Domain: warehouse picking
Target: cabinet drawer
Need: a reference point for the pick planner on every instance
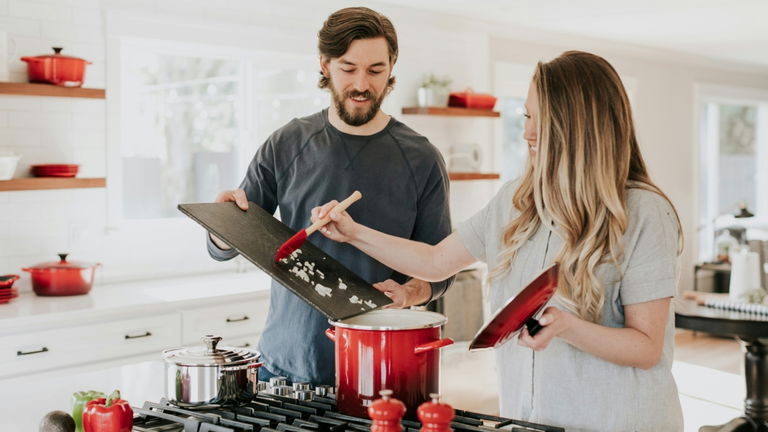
(226, 320)
(43, 350)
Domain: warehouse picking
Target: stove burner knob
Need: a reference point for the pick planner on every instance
(277, 381)
(302, 386)
(286, 391)
(324, 390)
(262, 386)
(304, 395)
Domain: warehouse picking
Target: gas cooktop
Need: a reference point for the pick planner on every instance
(297, 411)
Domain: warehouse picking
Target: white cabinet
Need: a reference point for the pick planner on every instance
(237, 323)
(97, 341)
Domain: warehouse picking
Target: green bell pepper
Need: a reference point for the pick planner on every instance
(79, 399)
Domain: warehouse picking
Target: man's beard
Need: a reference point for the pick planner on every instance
(356, 117)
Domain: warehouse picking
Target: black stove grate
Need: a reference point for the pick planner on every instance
(272, 413)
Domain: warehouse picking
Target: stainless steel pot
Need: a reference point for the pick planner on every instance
(209, 374)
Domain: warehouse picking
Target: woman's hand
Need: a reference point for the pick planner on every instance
(342, 228)
(554, 322)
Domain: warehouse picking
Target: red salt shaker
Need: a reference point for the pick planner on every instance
(386, 413)
(435, 416)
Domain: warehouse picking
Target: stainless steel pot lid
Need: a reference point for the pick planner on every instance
(209, 354)
(392, 319)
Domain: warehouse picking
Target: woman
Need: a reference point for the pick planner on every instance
(602, 361)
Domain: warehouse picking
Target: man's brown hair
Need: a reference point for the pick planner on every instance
(349, 24)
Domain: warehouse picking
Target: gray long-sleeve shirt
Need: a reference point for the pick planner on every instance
(308, 162)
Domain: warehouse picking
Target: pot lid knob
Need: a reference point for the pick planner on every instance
(63, 257)
(386, 413)
(210, 342)
(57, 50)
(435, 416)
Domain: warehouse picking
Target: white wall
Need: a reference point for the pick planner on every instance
(35, 225)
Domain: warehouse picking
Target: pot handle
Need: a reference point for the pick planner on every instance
(331, 333)
(427, 347)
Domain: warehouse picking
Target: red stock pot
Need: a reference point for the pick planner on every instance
(395, 349)
(56, 69)
(62, 278)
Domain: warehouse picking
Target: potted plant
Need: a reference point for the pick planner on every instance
(434, 91)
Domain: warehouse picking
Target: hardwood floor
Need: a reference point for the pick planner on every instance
(707, 370)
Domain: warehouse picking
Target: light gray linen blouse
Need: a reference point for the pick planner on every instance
(562, 385)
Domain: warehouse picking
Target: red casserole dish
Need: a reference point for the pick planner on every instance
(62, 278)
(469, 99)
(54, 170)
(56, 69)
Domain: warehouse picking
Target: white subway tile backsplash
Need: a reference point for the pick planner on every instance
(30, 46)
(42, 120)
(19, 26)
(71, 33)
(3, 119)
(93, 122)
(73, 105)
(41, 11)
(25, 137)
(19, 103)
(87, 15)
(92, 161)
(4, 7)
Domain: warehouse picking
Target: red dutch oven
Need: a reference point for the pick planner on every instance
(56, 69)
(62, 278)
(395, 349)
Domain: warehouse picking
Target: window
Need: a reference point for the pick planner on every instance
(191, 119)
(733, 163)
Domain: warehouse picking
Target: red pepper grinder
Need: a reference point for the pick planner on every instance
(435, 416)
(386, 413)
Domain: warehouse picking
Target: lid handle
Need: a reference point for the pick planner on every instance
(57, 50)
(210, 342)
(63, 257)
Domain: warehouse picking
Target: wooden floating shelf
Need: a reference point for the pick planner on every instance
(451, 111)
(40, 183)
(31, 89)
(473, 176)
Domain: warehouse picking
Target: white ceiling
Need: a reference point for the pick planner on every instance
(730, 30)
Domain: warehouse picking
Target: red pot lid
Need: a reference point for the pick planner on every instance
(57, 54)
(512, 316)
(62, 264)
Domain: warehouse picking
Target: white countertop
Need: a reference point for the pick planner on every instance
(29, 311)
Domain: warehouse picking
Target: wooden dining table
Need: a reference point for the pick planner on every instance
(752, 330)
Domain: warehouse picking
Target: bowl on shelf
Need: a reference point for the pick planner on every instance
(7, 292)
(8, 165)
(54, 170)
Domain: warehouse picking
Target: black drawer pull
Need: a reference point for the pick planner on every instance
(42, 350)
(243, 318)
(147, 334)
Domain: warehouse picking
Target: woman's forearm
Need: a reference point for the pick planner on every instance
(420, 260)
(624, 346)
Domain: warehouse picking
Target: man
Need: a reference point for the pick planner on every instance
(352, 145)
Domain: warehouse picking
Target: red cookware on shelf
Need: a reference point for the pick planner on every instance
(470, 99)
(56, 69)
(62, 278)
(7, 291)
(396, 349)
(54, 170)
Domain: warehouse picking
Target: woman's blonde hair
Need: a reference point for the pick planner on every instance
(587, 158)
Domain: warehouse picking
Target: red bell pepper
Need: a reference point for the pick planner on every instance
(108, 415)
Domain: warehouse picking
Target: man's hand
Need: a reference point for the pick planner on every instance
(413, 292)
(236, 196)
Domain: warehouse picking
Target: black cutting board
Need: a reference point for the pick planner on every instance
(256, 235)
